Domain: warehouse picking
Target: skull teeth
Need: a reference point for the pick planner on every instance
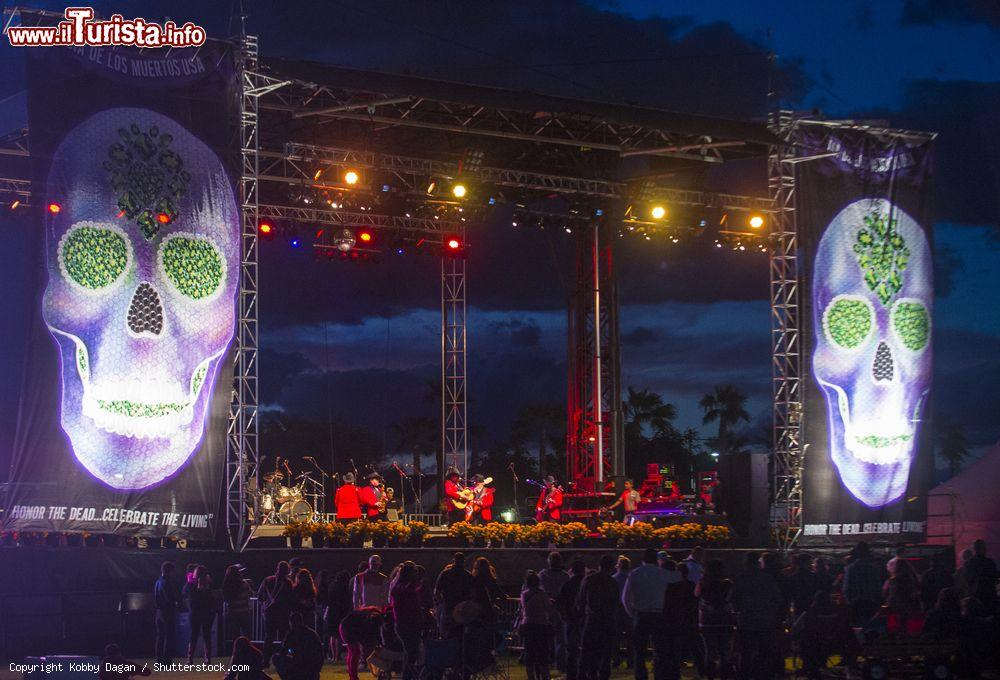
(136, 408)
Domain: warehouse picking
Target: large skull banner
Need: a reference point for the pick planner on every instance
(868, 293)
(126, 370)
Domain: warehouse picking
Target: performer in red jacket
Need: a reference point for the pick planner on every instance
(373, 498)
(452, 493)
(347, 501)
(480, 508)
(549, 506)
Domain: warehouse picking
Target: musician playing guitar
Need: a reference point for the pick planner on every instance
(373, 497)
(549, 506)
(480, 509)
(453, 495)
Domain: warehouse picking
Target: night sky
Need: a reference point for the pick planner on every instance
(358, 345)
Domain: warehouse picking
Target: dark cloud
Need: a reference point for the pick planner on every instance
(640, 335)
(934, 12)
(966, 369)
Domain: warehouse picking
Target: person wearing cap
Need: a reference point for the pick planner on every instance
(348, 501)
(549, 506)
(643, 596)
(371, 497)
(452, 493)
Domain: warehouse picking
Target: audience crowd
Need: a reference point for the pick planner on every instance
(590, 618)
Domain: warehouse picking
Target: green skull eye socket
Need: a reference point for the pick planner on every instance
(912, 324)
(93, 256)
(193, 265)
(848, 321)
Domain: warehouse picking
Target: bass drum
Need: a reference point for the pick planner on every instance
(294, 511)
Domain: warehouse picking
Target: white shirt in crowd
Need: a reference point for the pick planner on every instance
(646, 588)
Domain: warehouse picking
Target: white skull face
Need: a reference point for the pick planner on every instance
(872, 296)
(142, 244)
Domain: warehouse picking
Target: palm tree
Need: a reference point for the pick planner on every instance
(727, 405)
(953, 447)
(541, 419)
(643, 408)
(417, 436)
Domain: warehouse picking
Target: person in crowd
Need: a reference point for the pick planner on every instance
(407, 613)
(935, 578)
(453, 585)
(571, 617)
(862, 585)
(629, 500)
(166, 600)
(319, 613)
(301, 655)
(371, 586)
(898, 555)
(978, 578)
(372, 498)
(943, 619)
(348, 500)
(680, 623)
(276, 601)
(201, 604)
(248, 659)
(901, 591)
(552, 579)
(114, 665)
(360, 631)
(757, 603)
(976, 638)
(535, 627)
(236, 593)
(453, 495)
(824, 575)
(715, 620)
(643, 598)
(426, 598)
(339, 603)
(598, 599)
(823, 630)
(695, 563)
(304, 595)
(801, 582)
(486, 591)
(622, 650)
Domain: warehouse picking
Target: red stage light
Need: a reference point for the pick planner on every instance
(163, 218)
(453, 243)
(266, 228)
(365, 236)
(54, 208)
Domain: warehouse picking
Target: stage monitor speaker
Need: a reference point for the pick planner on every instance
(745, 495)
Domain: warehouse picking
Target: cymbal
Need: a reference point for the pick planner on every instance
(274, 477)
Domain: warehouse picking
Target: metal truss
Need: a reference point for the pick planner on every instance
(592, 131)
(16, 187)
(454, 344)
(594, 437)
(242, 452)
(318, 215)
(786, 338)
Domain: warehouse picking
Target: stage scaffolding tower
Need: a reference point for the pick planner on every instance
(454, 338)
(786, 337)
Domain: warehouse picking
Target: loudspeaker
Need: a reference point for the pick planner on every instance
(745, 495)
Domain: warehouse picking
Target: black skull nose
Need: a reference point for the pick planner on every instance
(145, 314)
(882, 366)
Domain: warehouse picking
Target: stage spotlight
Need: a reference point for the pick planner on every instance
(658, 212)
(756, 221)
(295, 242)
(17, 202)
(344, 240)
(54, 208)
(163, 218)
(317, 174)
(458, 190)
(266, 229)
(453, 243)
(351, 177)
(365, 236)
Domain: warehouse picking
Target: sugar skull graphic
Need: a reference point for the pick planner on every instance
(872, 295)
(142, 243)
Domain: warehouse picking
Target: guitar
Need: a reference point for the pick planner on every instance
(468, 494)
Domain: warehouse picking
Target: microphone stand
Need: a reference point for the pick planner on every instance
(402, 490)
(517, 508)
(418, 502)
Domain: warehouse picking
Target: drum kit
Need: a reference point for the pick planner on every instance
(284, 497)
